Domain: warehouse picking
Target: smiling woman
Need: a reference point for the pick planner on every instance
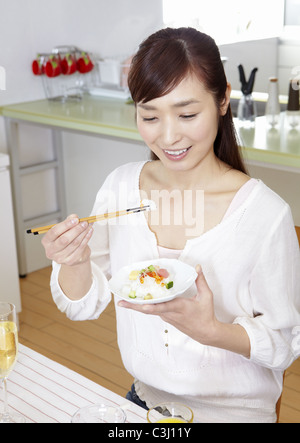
(168, 57)
(176, 129)
(222, 346)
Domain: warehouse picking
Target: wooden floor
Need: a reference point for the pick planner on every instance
(91, 349)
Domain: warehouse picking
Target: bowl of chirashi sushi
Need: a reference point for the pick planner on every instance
(153, 281)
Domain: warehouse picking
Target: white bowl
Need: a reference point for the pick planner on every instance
(183, 274)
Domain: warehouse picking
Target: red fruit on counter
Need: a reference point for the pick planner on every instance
(53, 68)
(84, 63)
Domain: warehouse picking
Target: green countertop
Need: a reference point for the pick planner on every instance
(91, 115)
(278, 146)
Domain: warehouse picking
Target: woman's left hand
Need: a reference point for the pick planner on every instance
(193, 316)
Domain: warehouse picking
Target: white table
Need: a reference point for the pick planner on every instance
(44, 391)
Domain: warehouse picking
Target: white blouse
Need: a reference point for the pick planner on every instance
(251, 262)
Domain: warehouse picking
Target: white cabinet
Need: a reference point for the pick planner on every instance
(9, 276)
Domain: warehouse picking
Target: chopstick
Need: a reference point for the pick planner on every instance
(94, 218)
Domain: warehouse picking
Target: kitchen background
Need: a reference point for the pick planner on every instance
(114, 29)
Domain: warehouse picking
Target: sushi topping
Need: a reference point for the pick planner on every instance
(148, 283)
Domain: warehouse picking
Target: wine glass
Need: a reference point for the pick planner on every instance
(8, 355)
(100, 413)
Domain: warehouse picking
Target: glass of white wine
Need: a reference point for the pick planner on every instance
(8, 355)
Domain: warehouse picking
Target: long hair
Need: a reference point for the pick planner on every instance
(165, 58)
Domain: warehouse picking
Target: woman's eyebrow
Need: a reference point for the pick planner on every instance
(186, 103)
(180, 104)
(146, 107)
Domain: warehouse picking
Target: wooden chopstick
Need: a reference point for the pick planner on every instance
(93, 218)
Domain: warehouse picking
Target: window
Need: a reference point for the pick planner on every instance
(230, 20)
(292, 13)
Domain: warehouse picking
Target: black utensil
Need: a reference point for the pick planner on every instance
(247, 86)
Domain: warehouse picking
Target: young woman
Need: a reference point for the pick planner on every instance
(223, 347)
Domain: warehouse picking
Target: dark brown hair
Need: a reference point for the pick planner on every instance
(165, 58)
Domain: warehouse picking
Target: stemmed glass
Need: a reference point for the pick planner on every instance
(8, 355)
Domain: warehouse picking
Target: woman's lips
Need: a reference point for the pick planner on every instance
(176, 155)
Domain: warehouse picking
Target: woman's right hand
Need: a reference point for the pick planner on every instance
(67, 242)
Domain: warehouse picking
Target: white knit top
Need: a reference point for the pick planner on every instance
(251, 262)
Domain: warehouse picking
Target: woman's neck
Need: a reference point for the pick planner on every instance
(205, 175)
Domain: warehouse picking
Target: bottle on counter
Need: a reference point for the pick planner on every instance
(273, 106)
(293, 109)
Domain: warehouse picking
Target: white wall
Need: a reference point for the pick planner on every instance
(288, 60)
(274, 57)
(27, 27)
(261, 54)
(105, 28)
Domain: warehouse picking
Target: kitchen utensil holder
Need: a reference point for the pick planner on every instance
(247, 111)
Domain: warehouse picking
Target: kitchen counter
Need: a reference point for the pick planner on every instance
(89, 115)
(277, 147)
(105, 117)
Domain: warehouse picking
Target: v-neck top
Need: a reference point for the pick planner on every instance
(238, 199)
(251, 263)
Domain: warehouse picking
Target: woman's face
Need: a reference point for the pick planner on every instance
(180, 127)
